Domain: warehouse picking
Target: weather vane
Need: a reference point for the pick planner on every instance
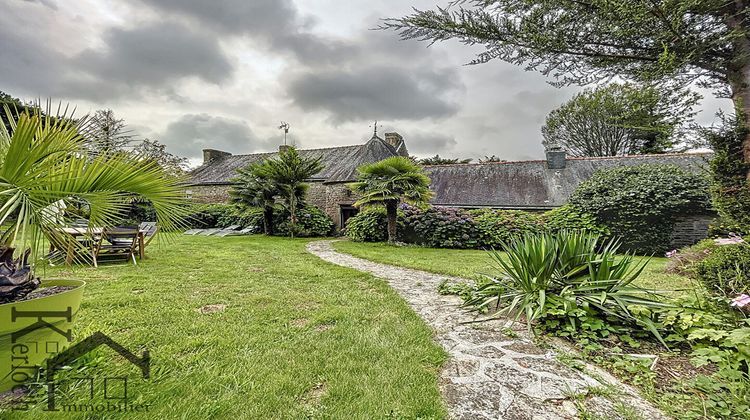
(375, 129)
(284, 126)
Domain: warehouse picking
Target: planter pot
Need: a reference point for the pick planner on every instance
(34, 330)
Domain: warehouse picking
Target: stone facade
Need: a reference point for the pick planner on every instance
(333, 198)
(691, 229)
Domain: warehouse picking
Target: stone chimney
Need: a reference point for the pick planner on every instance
(395, 140)
(556, 158)
(284, 147)
(212, 154)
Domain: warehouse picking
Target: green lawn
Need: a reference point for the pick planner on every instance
(473, 263)
(299, 337)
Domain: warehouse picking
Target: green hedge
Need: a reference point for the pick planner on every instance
(442, 227)
(726, 270)
(312, 221)
(640, 204)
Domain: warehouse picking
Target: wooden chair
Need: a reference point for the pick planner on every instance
(121, 243)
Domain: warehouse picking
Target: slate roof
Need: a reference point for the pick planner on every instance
(340, 163)
(530, 184)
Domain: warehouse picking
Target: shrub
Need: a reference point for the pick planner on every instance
(568, 280)
(208, 215)
(568, 217)
(640, 204)
(245, 217)
(683, 262)
(495, 227)
(311, 222)
(726, 270)
(370, 225)
(441, 227)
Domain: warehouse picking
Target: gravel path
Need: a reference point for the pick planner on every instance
(495, 370)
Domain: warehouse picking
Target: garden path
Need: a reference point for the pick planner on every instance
(495, 370)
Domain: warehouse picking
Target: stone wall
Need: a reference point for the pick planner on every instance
(691, 229)
(328, 197)
(208, 193)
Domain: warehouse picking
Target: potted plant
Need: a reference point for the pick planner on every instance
(45, 167)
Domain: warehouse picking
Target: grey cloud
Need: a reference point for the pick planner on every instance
(376, 92)
(46, 3)
(154, 54)
(191, 133)
(428, 143)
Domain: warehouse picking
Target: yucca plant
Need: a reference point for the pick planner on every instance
(569, 269)
(44, 169)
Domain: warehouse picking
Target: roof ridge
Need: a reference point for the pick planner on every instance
(301, 150)
(509, 162)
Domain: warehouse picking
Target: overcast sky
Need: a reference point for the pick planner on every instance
(222, 74)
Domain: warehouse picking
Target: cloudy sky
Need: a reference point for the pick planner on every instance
(222, 74)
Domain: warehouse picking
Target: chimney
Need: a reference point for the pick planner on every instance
(284, 148)
(212, 154)
(556, 158)
(395, 140)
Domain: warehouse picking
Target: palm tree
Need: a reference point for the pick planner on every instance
(289, 171)
(44, 170)
(254, 187)
(388, 182)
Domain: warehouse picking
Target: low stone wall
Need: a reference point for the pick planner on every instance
(691, 229)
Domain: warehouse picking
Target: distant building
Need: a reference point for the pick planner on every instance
(533, 185)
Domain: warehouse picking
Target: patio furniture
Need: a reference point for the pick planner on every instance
(122, 243)
(88, 238)
(149, 231)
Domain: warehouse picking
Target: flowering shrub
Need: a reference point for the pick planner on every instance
(441, 227)
(370, 225)
(445, 227)
(496, 227)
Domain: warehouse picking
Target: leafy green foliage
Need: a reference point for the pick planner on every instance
(640, 204)
(444, 227)
(208, 216)
(584, 42)
(726, 270)
(44, 170)
(370, 225)
(288, 172)
(620, 119)
(441, 227)
(568, 217)
(311, 222)
(565, 277)
(437, 160)
(255, 188)
(730, 187)
(496, 227)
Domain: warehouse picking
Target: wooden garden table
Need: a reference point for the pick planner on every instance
(76, 232)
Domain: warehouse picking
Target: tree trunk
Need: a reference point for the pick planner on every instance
(391, 209)
(738, 73)
(268, 221)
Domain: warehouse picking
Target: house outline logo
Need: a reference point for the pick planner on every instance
(85, 346)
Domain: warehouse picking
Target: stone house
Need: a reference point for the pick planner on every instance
(534, 185)
(210, 183)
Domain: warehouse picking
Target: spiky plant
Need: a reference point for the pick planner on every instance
(390, 181)
(44, 169)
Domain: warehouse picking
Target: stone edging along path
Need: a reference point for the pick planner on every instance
(495, 370)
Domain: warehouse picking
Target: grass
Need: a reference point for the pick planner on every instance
(298, 338)
(469, 263)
